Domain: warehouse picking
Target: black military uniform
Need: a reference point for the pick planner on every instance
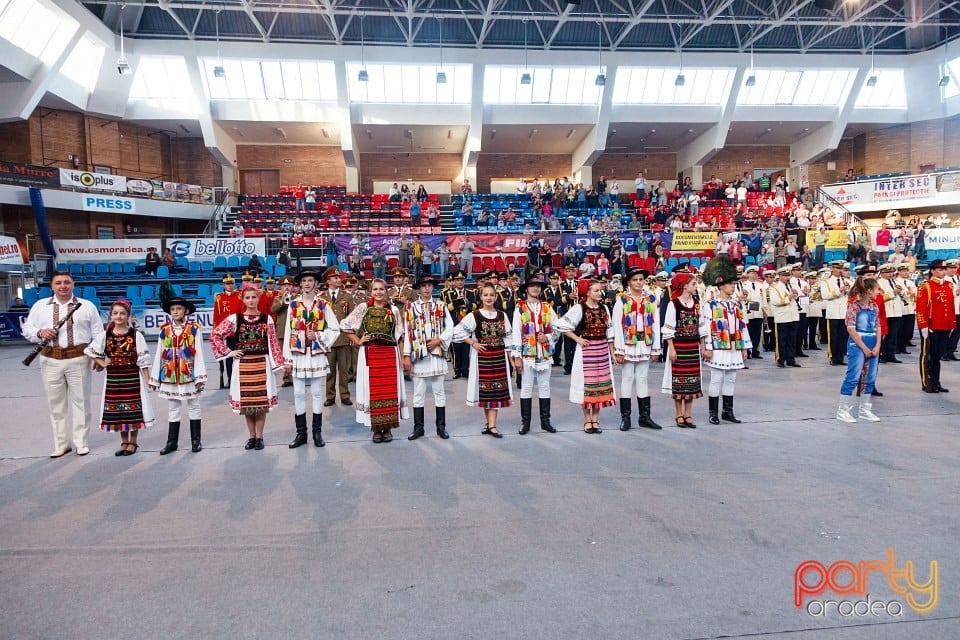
(558, 295)
(460, 302)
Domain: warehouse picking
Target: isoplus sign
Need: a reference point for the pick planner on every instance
(846, 578)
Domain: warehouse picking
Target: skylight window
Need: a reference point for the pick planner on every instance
(888, 92)
(270, 80)
(160, 78)
(36, 29)
(83, 65)
(549, 85)
(953, 70)
(410, 83)
(646, 85)
(811, 88)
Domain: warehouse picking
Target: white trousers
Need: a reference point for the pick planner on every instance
(531, 375)
(722, 382)
(317, 392)
(634, 379)
(420, 391)
(174, 404)
(67, 383)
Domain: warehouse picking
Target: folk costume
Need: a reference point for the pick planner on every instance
(636, 338)
(531, 320)
(425, 321)
(179, 373)
(488, 384)
(681, 327)
(591, 383)
(307, 358)
(254, 390)
(381, 398)
(124, 402)
(724, 332)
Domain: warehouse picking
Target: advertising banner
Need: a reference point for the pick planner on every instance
(140, 187)
(212, 248)
(694, 241)
(836, 239)
(883, 191)
(87, 180)
(10, 323)
(28, 175)
(10, 251)
(149, 320)
(108, 204)
(937, 239)
(102, 250)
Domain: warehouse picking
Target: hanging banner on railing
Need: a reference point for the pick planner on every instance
(937, 239)
(88, 180)
(10, 251)
(102, 250)
(212, 248)
(28, 175)
(881, 191)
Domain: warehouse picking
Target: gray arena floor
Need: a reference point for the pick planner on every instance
(671, 534)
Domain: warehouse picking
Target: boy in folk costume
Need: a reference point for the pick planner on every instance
(724, 335)
(636, 338)
(429, 332)
(311, 328)
(179, 372)
(533, 343)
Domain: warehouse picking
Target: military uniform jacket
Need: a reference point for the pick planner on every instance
(401, 295)
(935, 306)
(834, 300)
(909, 295)
(341, 305)
(800, 284)
(755, 293)
(893, 303)
(783, 307)
(460, 303)
(558, 297)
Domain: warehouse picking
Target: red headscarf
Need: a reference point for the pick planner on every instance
(678, 282)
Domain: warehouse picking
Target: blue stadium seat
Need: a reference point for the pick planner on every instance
(244, 261)
(207, 266)
(203, 290)
(31, 295)
(90, 269)
(103, 269)
(279, 270)
(208, 301)
(116, 268)
(193, 267)
(181, 264)
(75, 268)
(220, 263)
(177, 289)
(129, 267)
(46, 292)
(163, 271)
(133, 291)
(233, 263)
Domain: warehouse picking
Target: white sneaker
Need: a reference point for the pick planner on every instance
(866, 413)
(60, 453)
(82, 451)
(844, 415)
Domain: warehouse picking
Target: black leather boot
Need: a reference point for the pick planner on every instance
(643, 409)
(727, 413)
(300, 439)
(195, 445)
(318, 430)
(545, 416)
(625, 411)
(417, 424)
(173, 436)
(526, 413)
(442, 422)
(714, 406)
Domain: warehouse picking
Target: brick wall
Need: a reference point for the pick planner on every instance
(887, 150)
(626, 165)
(54, 135)
(951, 143)
(409, 167)
(926, 144)
(15, 142)
(517, 165)
(306, 164)
(192, 163)
(818, 173)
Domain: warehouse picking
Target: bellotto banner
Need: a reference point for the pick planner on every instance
(10, 251)
(28, 175)
(98, 181)
(212, 248)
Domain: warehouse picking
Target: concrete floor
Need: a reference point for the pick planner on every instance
(671, 534)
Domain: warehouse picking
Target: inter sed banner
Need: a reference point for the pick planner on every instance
(694, 241)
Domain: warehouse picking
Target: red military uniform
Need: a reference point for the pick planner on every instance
(267, 298)
(935, 306)
(226, 303)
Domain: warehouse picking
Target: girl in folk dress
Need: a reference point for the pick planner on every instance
(681, 330)
(487, 332)
(589, 325)
(724, 335)
(253, 393)
(125, 406)
(377, 326)
(179, 372)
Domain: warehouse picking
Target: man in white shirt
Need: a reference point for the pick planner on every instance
(640, 187)
(64, 368)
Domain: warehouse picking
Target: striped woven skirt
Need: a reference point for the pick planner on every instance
(597, 377)
(493, 386)
(254, 398)
(381, 362)
(685, 372)
(122, 404)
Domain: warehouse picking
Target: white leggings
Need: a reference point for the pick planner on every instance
(317, 391)
(530, 375)
(722, 382)
(420, 391)
(193, 408)
(634, 377)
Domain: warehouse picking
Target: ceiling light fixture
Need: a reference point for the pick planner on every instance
(945, 76)
(680, 79)
(363, 76)
(872, 78)
(123, 67)
(601, 79)
(525, 78)
(752, 77)
(441, 76)
(218, 71)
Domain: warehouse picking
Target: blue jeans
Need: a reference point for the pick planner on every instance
(855, 360)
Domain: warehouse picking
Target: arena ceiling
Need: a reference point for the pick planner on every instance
(794, 26)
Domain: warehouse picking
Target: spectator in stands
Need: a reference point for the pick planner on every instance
(311, 198)
(330, 251)
(586, 270)
(152, 261)
(466, 256)
(509, 215)
(354, 265)
(433, 214)
(415, 214)
(722, 246)
(763, 184)
(484, 218)
(466, 211)
(465, 187)
(283, 257)
(416, 253)
(569, 256)
(616, 263)
(356, 246)
(603, 266)
(309, 229)
(820, 247)
(780, 253)
(405, 194)
(521, 186)
(403, 251)
(300, 194)
(422, 194)
(897, 256)
(333, 209)
(18, 304)
(287, 228)
(640, 186)
(601, 185)
(427, 258)
(730, 194)
(850, 177)
(881, 246)
(793, 251)
(379, 261)
(920, 243)
(168, 260)
(443, 260)
(501, 222)
(236, 231)
(298, 230)
(254, 266)
(581, 255)
(394, 193)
